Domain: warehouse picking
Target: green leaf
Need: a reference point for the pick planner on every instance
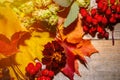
(63, 3)
(73, 14)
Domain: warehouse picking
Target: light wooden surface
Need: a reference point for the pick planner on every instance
(104, 65)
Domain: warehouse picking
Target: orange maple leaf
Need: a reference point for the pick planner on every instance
(75, 46)
(85, 48)
(73, 33)
(8, 46)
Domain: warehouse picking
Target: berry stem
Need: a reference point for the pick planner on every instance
(113, 42)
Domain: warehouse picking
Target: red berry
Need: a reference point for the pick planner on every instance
(96, 16)
(92, 31)
(93, 11)
(83, 12)
(42, 78)
(31, 65)
(112, 1)
(106, 35)
(85, 29)
(32, 71)
(94, 21)
(104, 20)
(100, 30)
(118, 9)
(38, 65)
(27, 69)
(113, 7)
(104, 8)
(99, 18)
(108, 12)
(117, 16)
(112, 19)
(47, 78)
(89, 19)
(100, 5)
(45, 72)
(36, 69)
(51, 73)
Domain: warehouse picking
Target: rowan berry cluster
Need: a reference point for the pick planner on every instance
(97, 21)
(36, 72)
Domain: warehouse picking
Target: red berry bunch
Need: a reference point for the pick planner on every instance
(35, 72)
(99, 20)
(46, 75)
(32, 70)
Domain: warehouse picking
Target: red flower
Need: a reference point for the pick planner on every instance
(54, 56)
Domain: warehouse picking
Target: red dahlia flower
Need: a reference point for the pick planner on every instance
(54, 56)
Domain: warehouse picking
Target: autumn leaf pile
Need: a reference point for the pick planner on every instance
(40, 38)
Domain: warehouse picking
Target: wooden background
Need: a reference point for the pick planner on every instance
(104, 65)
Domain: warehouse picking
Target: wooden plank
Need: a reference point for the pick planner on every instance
(104, 65)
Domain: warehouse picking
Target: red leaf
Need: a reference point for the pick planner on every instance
(9, 47)
(4, 38)
(69, 68)
(20, 37)
(76, 65)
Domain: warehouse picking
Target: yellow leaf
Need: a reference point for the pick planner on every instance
(9, 23)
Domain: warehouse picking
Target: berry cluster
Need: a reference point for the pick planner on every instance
(46, 75)
(36, 72)
(99, 20)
